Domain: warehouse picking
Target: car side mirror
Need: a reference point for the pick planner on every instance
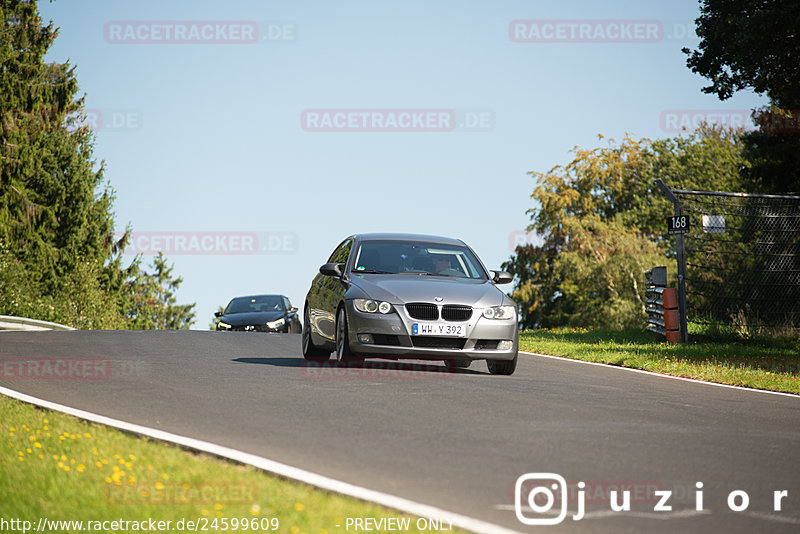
(502, 277)
(217, 314)
(332, 269)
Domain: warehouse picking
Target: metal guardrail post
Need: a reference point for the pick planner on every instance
(681, 252)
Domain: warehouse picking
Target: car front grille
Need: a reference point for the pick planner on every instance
(430, 342)
(423, 311)
(251, 328)
(454, 312)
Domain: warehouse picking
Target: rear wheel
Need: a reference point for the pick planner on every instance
(310, 351)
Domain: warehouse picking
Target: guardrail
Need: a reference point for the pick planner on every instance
(8, 322)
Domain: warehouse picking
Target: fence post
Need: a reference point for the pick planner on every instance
(681, 246)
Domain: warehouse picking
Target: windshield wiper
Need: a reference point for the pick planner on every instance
(371, 271)
(424, 273)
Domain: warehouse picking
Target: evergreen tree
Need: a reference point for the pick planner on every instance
(58, 255)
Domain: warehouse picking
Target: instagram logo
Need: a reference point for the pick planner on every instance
(539, 491)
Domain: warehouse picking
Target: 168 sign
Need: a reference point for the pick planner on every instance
(678, 224)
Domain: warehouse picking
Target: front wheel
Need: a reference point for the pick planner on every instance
(311, 352)
(343, 353)
(502, 367)
(457, 363)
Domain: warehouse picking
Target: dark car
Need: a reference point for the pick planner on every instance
(402, 296)
(259, 313)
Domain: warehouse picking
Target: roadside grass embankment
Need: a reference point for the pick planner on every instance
(764, 363)
(61, 468)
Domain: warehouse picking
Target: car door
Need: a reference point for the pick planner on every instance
(325, 295)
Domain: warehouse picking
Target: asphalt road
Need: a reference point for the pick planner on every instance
(456, 441)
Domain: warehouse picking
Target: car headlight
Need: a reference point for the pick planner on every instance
(277, 324)
(500, 312)
(372, 306)
(224, 326)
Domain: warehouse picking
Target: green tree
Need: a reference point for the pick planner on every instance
(59, 260)
(603, 223)
(151, 302)
(753, 44)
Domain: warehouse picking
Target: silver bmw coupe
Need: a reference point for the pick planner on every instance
(405, 296)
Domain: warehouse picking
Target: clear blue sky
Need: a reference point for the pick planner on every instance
(203, 137)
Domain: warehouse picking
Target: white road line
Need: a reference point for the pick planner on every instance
(602, 514)
(774, 517)
(651, 373)
(283, 470)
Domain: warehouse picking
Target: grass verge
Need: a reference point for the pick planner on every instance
(58, 467)
(770, 364)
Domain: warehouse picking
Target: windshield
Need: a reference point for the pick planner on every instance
(259, 303)
(415, 257)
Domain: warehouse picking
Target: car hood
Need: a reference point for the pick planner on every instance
(241, 319)
(400, 289)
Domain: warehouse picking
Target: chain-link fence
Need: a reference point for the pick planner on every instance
(742, 258)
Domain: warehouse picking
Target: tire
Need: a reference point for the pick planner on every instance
(310, 351)
(502, 367)
(343, 353)
(457, 363)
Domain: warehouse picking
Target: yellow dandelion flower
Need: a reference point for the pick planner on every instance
(66, 468)
(255, 509)
(159, 486)
(86, 434)
(129, 465)
(108, 480)
(29, 451)
(217, 506)
(132, 457)
(295, 530)
(105, 462)
(81, 468)
(165, 476)
(63, 458)
(204, 512)
(47, 422)
(99, 464)
(37, 445)
(299, 506)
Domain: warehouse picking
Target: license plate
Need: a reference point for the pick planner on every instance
(435, 329)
